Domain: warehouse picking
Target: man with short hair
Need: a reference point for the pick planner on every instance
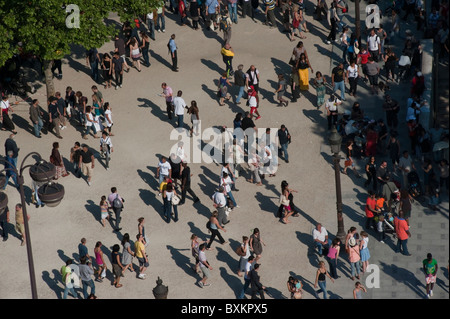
(252, 78)
(338, 76)
(116, 202)
(374, 45)
(220, 204)
(205, 267)
(86, 272)
(11, 145)
(270, 13)
(391, 107)
(321, 240)
(61, 103)
(168, 96)
(211, 7)
(83, 250)
(371, 210)
(406, 165)
(255, 283)
(173, 53)
(163, 170)
(119, 48)
(248, 268)
(86, 162)
(92, 60)
(186, 184)
(382, 173)
(285, 138)
(54, 116)
(118, 63)
(36, 114)
(4, 222)
(430, 268)
(239, 81)
(179, 105)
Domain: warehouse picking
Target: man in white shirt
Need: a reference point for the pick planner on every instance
(226, 182)
(179, 105)
(164, 169)
(151, 25)
(220, 203)
(320, 236)
(252, 78)
(248, 268)
(373, 43)
(205, 267)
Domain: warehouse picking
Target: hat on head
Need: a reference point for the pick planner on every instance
(352, 241)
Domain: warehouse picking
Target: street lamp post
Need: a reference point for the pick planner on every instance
(53, 193)
(335, 140)
(357, 22)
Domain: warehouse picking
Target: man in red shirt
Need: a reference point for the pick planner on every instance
(402, 231)
(362, 59)
(371, 210)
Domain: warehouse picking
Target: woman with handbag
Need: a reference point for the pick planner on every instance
(256, 244)
(170, 202)
(56, 159)
(244, 252)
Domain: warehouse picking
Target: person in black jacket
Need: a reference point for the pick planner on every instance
(284, 138)
(255, 282)
(186, 184)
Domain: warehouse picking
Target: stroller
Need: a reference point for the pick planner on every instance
(386, 224)
(414, 186)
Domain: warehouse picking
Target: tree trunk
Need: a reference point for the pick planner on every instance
(49, 78)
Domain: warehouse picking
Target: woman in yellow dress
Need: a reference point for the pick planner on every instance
(303, 66)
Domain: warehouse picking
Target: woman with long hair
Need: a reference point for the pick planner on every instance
(127, 253)
(303, 65)
(256, 244)
(195, 117)
(101, 271)
(319, 83)
(104, 206)
(135, 53)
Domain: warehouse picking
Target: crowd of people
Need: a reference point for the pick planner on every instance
(364, 138)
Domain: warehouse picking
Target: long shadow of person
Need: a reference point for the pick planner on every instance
(197, 231)
(308, 286)
(94, 209)
(160, 59)
(155, 110)
(404, 276)
(53, 283)
(233, 282)
(224, 256)
(182, 261)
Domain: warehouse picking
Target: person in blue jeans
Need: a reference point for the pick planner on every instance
(86, 272)
(232, 9)
(239, 81)
(321, 275)
(248, 267)
(338, 77)
(284, 138)
(92, 59)
(320, 237)
(168, 196)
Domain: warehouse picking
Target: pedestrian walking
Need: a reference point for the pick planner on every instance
(227, 53)
(256, 244)
(141, 230)
(75, 154)
(225, 26)
(195, 118)
(281, 90)
(86, 273)
(374, 45)
(349, 160)
(101, 271)
(239, 81)
(66, 274)
(371, 210)
(303, 65)
(87, 163)
(163, 170)
(320, 86)
(295, 288)
(70, 100)
(214, 227)
(20, 223)
(195, 251)
(104, 210)
(61, 110)
(118, 64)
(331, 106)
(91, 124)
(170, 203)
(135, 53)
(430, 268)
(116, 203)
(179, 106)
(106, 67)
(223, 86)
(358, 290)
(364, 250)
(173, 51)
(353, 76)
(106, 148)
(116, 266)
(93, 60)
(186, 184)
(248, 267)
(252, 78)
(10, 167)
(333, 20)
(320, 281)
(338, 76)
(270, 13)
(36, 114)
(145, 47)
(108, 118)
(332, 257)
(373, 70)
(255, 282)
(54, 116)
(353, 257)
(4, 222)
(371, 171)
(127, 253)
(141, 255)
(205, 267)
(57, 160)
(244, 253)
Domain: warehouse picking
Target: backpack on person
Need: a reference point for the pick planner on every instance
(224, 25)
(117, 203)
